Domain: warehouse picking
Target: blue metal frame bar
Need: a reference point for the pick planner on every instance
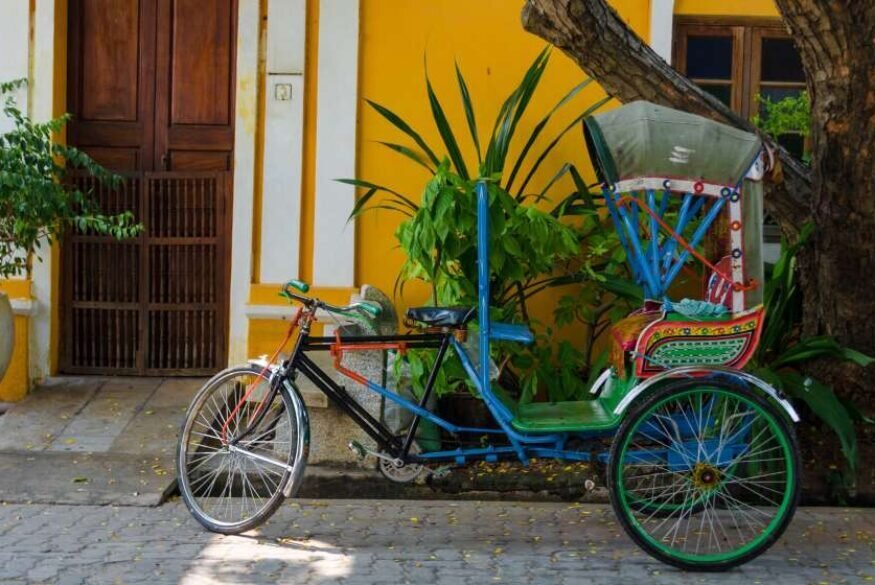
(651, 288)
(492, 453)
(654, 233)
(663, 203)
(716, 207)
(689, 209)
(427, 414)
(618, 225)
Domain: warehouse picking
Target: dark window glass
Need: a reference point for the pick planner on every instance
(781, 62)
(794, 143)
(721, 92)
(709, 57)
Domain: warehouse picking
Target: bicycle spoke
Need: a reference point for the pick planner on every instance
(699, 476)
(223, 482)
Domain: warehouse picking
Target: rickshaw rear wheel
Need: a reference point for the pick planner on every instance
(734, 463)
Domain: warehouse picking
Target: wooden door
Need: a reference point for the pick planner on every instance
(151, 90)
(110, 81)
(194, 116)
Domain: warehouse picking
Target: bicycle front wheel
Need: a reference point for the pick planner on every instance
(704, 475)
(232, 482)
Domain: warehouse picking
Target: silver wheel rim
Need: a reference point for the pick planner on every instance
(229, 486)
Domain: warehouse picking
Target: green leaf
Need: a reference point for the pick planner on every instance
(399, 123)
(582, 189)
(360, 204)
(445, 130)
(539, 127)
(401, 199)
(859, 358)
(822, 401)
(511, 111)
(817, 347)
(563, 170)
(469, 112)
(623, 288)
(409, 153)
(556, 140)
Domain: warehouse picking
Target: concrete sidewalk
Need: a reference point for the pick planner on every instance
(93, 441)
(357, 542)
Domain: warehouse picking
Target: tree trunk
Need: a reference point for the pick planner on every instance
(837, 43)
(591, 33)
(838, 192)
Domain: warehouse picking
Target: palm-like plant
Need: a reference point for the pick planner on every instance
(532, 250)
(782, 351)
(437, 225)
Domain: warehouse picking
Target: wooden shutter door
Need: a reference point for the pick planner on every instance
(151, 89)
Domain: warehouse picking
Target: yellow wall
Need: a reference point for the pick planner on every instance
(493, 51)
(725, 8)
(14, 384)
(487, 40)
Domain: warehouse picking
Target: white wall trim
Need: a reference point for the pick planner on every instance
(23, 307)
(337, 108)
(661, 26)
(283, 141)
(14, 50)
(42, 103)
(245, 132)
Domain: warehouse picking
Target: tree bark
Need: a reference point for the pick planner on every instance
(835, 38)
(836, 41)
(594, 36)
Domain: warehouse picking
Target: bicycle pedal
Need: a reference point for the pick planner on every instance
(357, 449)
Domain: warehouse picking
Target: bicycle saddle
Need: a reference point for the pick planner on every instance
(442, 316)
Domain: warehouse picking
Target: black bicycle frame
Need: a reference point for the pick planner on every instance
(299, 362)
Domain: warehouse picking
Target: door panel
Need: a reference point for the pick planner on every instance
(193, 160)
(195, 95)
(117, 159)
(111, 64)
(154, 305)
(200, 57)
(110, 60)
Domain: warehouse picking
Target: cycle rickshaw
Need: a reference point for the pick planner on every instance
(703, 467)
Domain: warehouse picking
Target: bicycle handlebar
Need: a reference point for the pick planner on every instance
(371, 309)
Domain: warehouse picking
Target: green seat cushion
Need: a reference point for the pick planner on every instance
(550, 417)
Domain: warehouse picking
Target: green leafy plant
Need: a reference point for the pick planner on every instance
(538, 240)
(789, 115)
(782, 351)
(36, 202)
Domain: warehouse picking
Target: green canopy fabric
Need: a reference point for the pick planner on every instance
(641, 139)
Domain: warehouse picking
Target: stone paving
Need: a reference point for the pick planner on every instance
(93, 441)
(384, 542)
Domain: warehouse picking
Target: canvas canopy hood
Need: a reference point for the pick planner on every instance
(641, 140)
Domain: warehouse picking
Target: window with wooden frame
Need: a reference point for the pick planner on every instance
(737, 60)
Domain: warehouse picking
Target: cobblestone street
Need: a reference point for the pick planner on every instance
(382, 542)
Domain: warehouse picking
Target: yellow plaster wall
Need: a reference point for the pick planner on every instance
(15, 383)
(266, 334)
(493, 51)
(734, 8)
